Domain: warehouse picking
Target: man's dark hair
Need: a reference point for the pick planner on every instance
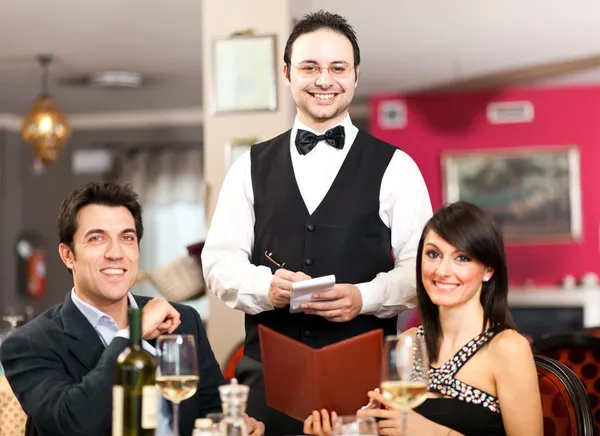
(321, 20)
(105, 194)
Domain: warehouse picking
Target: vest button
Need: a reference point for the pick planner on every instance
(308, 262)
(310, 227)
(307, 333)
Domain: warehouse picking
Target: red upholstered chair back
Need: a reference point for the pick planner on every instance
(581, 353)
(565, 404)
(594, 331)
(231, 362)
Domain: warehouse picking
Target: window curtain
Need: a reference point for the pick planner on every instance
(171, 189)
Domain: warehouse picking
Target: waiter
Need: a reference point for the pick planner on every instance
(322, 198)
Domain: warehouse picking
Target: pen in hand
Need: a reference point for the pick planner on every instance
(282, 281)
(269, 255)
(279, 291)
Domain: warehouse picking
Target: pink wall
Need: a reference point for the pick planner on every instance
(565, 116)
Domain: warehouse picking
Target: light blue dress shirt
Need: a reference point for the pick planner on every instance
(107, 329)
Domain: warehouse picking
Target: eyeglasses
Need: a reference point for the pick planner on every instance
(313, 70)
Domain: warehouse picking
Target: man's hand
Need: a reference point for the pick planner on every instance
(340, 304)
(255, 428)
(158, 317)
(281, 285)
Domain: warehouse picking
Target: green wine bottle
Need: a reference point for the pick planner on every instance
(135, 397)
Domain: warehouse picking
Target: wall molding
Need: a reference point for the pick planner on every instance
(10, 122)
(180, 117)
(184, 117)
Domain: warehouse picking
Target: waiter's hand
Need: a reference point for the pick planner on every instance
(281, 285)
(340, 304)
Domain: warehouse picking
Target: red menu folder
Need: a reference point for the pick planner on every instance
(300, 379)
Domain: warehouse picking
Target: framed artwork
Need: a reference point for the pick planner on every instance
(533, 193)
(244, 74)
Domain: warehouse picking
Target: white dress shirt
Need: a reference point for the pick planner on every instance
(404, 207)
(107, 330)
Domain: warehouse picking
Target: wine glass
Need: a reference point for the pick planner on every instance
(13, 320)
(405, 373)
(351, 425)
(9, 324)
(177, 374)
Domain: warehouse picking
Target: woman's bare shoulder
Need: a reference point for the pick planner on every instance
(509, 345)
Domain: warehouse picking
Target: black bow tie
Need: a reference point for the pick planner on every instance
(306, 141)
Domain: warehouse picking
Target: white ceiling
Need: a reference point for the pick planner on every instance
(160, 39)
(405, 44)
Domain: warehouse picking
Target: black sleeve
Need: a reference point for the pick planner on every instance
(55, 401)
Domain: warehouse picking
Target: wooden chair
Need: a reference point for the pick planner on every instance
(565, 403)
(579, 351)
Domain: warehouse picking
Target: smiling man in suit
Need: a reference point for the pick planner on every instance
(61, 365)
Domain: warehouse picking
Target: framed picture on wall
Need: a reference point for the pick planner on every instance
(533, 193)
(235, 148)
(244, 74)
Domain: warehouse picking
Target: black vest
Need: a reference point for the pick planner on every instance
(344, 236)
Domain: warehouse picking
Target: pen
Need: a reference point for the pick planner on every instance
(269, 255)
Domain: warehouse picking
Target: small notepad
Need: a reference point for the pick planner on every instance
(302, 291)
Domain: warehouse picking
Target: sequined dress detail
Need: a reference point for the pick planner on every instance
(443, 381)
(463, 408)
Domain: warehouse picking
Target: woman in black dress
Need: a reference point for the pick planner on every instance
(483, 379)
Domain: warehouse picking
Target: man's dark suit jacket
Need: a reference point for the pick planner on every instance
(63, 375)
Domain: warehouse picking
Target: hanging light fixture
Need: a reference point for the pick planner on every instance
(45, 128)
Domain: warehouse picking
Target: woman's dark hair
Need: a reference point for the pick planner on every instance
(472, 231)
(106, 194)
(321, 20)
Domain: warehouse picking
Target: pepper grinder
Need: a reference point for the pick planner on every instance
(234, 397)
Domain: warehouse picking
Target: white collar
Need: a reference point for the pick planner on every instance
(93, 314)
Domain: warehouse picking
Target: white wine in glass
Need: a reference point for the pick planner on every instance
(405, 394)
(177, 388)
(405, 373)
(177, 375)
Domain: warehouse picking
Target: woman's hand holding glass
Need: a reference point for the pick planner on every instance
(405, 374)
(390, 419)
(324, 423)
(404, 386)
